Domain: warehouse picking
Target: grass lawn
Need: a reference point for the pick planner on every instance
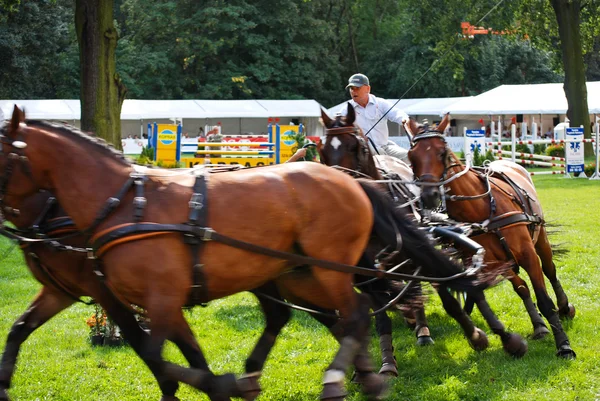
(58, 363)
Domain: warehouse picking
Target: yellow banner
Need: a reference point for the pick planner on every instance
(287, 141)
(166, 143)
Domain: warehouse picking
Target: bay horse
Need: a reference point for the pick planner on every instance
(137, 225)
(345, 145)
(66, 274)
(502, 200)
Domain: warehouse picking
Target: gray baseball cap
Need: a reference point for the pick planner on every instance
(358, 80)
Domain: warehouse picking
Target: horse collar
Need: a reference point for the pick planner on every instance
(429, 134)
(341, 130)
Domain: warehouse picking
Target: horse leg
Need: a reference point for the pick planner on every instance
(46, 305)
(422, 327)
(357, 340)
(136, 337)
(513, 343)
(544, 250)
(540, 330)
(164, 323)
(183, 337)
(276, 316)
(383, 326)
(531, 264)
(476, 337)
(354, 329)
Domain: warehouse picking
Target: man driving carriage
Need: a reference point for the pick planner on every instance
(369, 110)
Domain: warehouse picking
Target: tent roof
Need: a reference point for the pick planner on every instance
(522, 99)
(431, 106)
(42, 109)
(402, 105)
(133, 109)
(292, 108)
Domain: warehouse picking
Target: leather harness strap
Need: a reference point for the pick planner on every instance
(198, 217)
(208, 234)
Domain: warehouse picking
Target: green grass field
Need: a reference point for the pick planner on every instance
(58, 363)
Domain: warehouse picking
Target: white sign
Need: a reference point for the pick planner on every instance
(133, 146)
(474, 139)
(574, 150)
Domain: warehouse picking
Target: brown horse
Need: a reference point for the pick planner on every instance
(503, 201)
(138, 224)
(345, 146)
(66, 274)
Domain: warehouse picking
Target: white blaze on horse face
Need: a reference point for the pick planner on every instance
(336, 143)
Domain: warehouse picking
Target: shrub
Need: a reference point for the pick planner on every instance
(520, 148)
(146, 157)
(555, 150)
(589, 169)
(539, 149)
(479, 159)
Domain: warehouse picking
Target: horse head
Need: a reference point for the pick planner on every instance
(430, 158)
(345, 145)
(16, 180)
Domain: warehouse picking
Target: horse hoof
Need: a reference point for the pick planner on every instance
(224, 387)
(425, 340)
(569, 313)
(4, 395)
(372, 385)
(566, 352)
(540, 332)
(333, 392)
(248, 386)
(479, 341)
(515, 345)
(388, 369)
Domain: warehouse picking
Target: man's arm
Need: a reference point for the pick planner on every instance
(395, 114)
(300, 153)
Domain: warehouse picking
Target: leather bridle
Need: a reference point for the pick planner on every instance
(16, 155)
(363, 152)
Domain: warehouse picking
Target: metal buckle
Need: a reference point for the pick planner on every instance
(90, 253)
(208, 232)
(139, 201)
(196, 201)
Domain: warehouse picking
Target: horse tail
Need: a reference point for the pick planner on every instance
(391, 222)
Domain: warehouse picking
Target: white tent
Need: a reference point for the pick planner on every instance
(431, 106)
(531, 99)
(42, 109)
(235, 116)
(402, 105)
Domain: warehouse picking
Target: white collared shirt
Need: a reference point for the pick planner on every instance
(366, 117)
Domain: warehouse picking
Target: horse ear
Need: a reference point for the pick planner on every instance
(320, 146)
(442, 126)
(351, 116)
(327, 121)
(17, 118)
(411, 128)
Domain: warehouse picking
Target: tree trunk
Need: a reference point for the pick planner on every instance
(102, 92)
(568, 18)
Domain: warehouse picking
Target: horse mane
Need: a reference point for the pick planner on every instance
(69, 130)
